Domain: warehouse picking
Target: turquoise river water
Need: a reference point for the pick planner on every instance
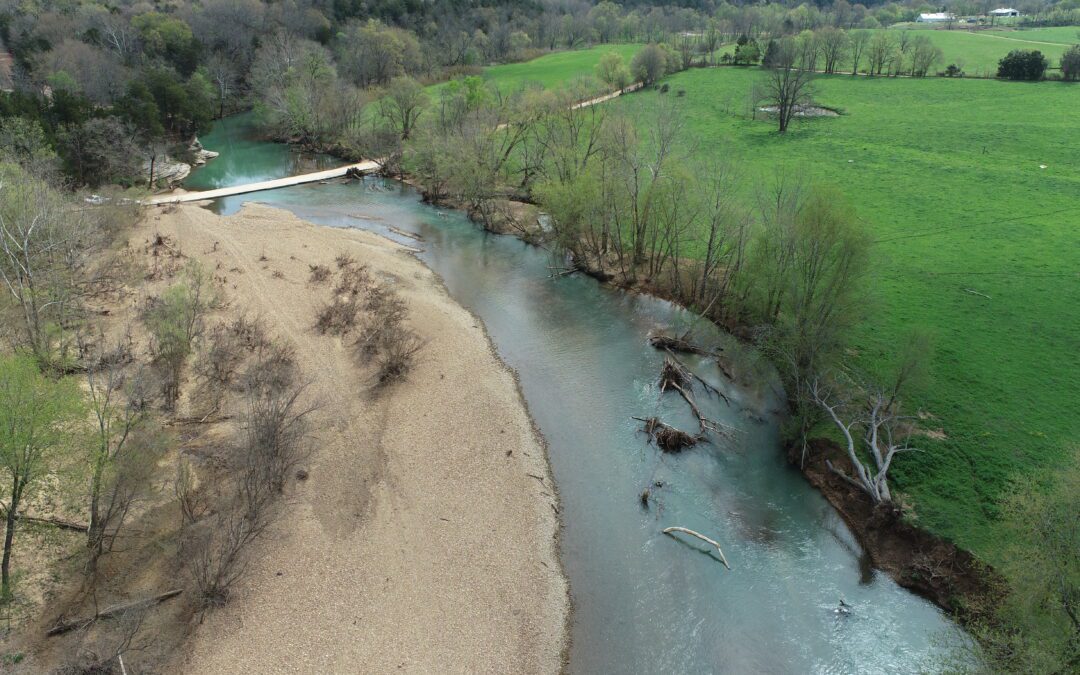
(643, 602)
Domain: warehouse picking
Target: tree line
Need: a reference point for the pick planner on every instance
(99, 92)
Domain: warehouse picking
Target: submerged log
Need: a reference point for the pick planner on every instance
(668, 531)
(676, 344)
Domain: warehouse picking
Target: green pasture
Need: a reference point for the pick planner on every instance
(1065, 35)
(556, 68)
(976, 243)
(978, 52)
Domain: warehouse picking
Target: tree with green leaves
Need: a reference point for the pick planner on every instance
(38, 416)
(649, 64)
(1022, 64)
(1043, 566)
(175, 321)
(402, 104)
(612, 71)
(1037, 626)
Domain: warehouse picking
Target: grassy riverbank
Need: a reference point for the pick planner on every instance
(974, 242)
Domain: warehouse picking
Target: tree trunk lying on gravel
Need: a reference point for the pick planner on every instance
(67, 626)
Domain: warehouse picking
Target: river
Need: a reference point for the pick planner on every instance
(643, 601)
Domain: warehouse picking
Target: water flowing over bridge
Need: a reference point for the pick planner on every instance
(314, 177)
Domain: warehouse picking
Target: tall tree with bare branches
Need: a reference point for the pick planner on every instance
(787, 87)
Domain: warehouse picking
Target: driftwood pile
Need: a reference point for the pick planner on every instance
(675, 376)
(667, 437)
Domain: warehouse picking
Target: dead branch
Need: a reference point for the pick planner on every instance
(669, 530)
(67, 626)
(687, 372)
(672, 377)
(557, 272)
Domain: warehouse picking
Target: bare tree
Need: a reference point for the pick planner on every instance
(870, 419)
(43, 242)
(125, 450)
(225, 76)
(786, 87)
(873, 426)
(923, 54)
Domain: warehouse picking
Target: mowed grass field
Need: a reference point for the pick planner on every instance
(1065, 35)
(946, 174)
(978, 52)
(554, 69)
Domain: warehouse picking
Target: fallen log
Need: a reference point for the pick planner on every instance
(668, 531)
(676, 344)
(704, 423)
(411, 235)
(57, 522)
(687, 374)
(75, 624)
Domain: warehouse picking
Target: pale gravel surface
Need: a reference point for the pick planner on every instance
(417, 544)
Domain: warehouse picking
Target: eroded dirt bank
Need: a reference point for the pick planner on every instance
(934, 568)
(424, 538)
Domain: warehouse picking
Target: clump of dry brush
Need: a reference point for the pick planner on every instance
(372, 312)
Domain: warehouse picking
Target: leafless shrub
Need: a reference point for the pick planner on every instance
(275, 429)
(320, 274)
(340, 315)
(383, 323)
(272, 368)
(398, 356)
(344, 260)
(105, 645)
(226, 347)
(272, 443)
(191, 499)
(219, 562)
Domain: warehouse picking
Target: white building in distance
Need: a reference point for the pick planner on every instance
(936, 17)
(1005, 11)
